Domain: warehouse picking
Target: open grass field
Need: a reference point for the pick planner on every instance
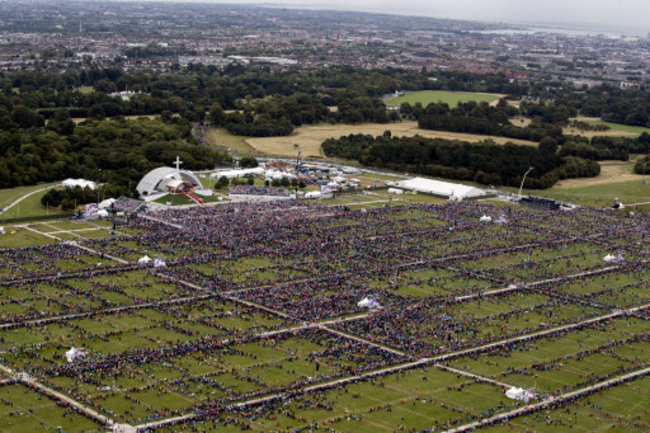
(425, 97)
(600, 194)
(311, 137)
(222, 139)
(615, 128)
(253, 322)
(27, 208)
(9, 195)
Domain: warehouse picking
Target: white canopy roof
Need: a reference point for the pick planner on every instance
(515, 393)
(368, 303)
(237, 172)
(82, 183)
(106, 203)
(144, 259)
(75, 354)
(155, 181)
(437, 187)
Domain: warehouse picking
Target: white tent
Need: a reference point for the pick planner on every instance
(395, 191)
(230, 174)
(105, 204)
(159, 263)
(610, 258)
(82, 183)
(103, 213)
(279, 175)
(2, 230)
(437, 187)
(75, 354)
(521, 394)
(312, 194)
(485, 219)
(368, 303)
(502, 220)
(144, 260)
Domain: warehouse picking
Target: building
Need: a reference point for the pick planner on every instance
(167, 180)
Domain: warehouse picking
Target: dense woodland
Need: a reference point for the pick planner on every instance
(39, 141)
(117, 151)
(481, 118)
(486, 163)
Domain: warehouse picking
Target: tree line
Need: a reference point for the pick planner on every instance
(486, 162)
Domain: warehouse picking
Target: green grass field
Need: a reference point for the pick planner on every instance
(600, 195)
(31, 207)
(9, 195)
(614, 126)
(222, 139)
(425, 97)
(182, 199)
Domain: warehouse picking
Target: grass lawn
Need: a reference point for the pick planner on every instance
(182, 199)
(19, 237)
(26, 410)
(599, 195)
(85, 90)
(223, 139)
(614, 127)
(29, 208)
(9, 195)
(425, 97)
(310, 137)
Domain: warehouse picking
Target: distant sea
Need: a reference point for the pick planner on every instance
(570, 30)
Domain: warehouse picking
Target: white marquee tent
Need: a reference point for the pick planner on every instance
(437, 187)
(82, 183)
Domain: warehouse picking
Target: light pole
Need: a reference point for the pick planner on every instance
(524, 180)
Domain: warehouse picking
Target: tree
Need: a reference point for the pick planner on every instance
(248, 162)
(548, 145)
(216, 115)
(223, 182)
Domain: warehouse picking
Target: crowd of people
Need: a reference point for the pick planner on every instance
(316, 263)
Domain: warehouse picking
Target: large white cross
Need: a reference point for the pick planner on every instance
(178, 163)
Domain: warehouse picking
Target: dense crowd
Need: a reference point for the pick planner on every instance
(309, 263)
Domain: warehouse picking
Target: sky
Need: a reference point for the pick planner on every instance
(628, 16)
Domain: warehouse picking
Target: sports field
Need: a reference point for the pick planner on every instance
(251, 319)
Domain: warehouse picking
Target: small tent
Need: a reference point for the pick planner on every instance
(159, 263)
(485, 219)
(368, 303)
(75, 354)
(144, 260)
(105, 204)
(520, 394)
